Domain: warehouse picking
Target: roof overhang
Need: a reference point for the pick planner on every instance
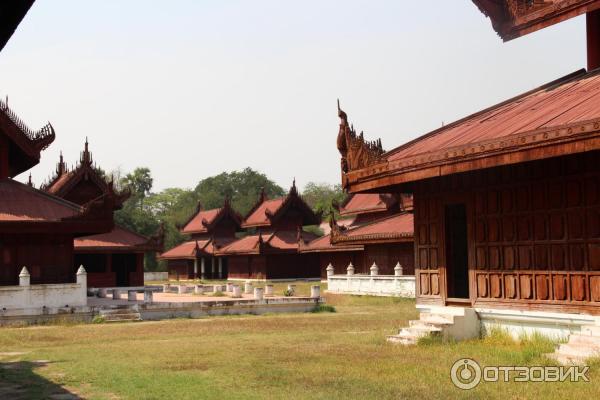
(515, 18)
(12, 13)
(529, 146)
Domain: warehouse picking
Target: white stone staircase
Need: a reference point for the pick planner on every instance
(581, 346)
(449, 322)
(125, 314)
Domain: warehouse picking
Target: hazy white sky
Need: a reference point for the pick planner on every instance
(191, 88)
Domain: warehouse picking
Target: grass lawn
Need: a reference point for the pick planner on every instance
(340, 355)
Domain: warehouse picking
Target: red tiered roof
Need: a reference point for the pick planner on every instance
(278, 241)
(363, 203)
(266, 212)
(204, 221)
(119, 239)
(26, 209)
(561, 117)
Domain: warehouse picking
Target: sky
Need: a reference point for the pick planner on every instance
(192, 88)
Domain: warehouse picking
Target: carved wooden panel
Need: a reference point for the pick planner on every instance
(578, 287)
(560, 284)
(595, 288)
(510, 283)
(526, 286)
(542, 287)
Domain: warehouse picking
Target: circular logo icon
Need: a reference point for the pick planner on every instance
(465, 374)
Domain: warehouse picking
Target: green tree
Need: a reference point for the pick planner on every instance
(321, 195)
(242, 187)
(140, 183)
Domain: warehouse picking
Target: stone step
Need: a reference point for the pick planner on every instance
(423, 326)
(433, 316)
(402, 340)
(435, 320)
(577, 350)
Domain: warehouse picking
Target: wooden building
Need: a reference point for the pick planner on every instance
(381, 232)
(111, 259)
(507, 200)
(209, 230)
(37, 229)
(270, 250)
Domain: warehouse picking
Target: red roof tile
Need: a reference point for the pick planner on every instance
(59, 183)
(367, 203)
(199, 222)
(259, 215)
(562, 112)
(23, 203)
(323, 245)
(118, 239)
(399, 227)
(278, 240)
(184, 250)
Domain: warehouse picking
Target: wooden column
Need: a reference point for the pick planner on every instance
(593, 39)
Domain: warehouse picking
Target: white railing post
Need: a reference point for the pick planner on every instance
(350, 269)
(248, 287)
(24, 277)
(268, 290)
(258, 293)
(398, 270)
(237, 291)
(81, 279)
(330, 270)
(374, 270)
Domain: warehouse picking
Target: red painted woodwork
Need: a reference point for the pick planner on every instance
(533, 234)
(593, 39)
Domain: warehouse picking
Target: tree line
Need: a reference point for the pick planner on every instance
(145, 210)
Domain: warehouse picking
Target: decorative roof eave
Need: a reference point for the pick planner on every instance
(373, 238)
(226, 210)
(30, 142)
(356, 153)
(514, 18)
(528, 146)
(11, 15)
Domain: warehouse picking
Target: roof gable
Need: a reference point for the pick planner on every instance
(266, 212)
(206, 221)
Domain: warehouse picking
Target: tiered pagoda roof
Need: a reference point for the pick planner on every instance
(64, 182)
(283, 241)
(207, 235)
(119, 240)
(367, 203)
(267, 212)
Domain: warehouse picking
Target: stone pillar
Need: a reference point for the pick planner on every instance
(398, 270)
(217, 288)
(195, 268)
(202, 269)
(268, 290)
(24, 277)
(330, 270)
(229, 287)
(374, 270)
(131, 295)
(116, 294)
(102, 293)
(148, 297)
(350, 269)
(81, 278)
(237, 291)
(220, 268)
(166, 287)
(182, 289)
(198, 289)
(248, 287)
(315, 291)
(258, 293)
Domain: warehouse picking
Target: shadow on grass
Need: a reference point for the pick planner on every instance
(18, 381)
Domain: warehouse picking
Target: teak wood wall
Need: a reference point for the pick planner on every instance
(533, 234)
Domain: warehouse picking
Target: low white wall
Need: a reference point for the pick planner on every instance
(58, 295)
(156, 276)
(378, 285)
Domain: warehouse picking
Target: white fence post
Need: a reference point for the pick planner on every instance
(315, 291)
(330, 270)
(350, 269)
(248, 287)
(24, 277)
(81, 278)
(374, 270)
(398, 270)
(258, 293)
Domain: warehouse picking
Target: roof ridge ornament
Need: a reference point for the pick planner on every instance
(356, 152)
